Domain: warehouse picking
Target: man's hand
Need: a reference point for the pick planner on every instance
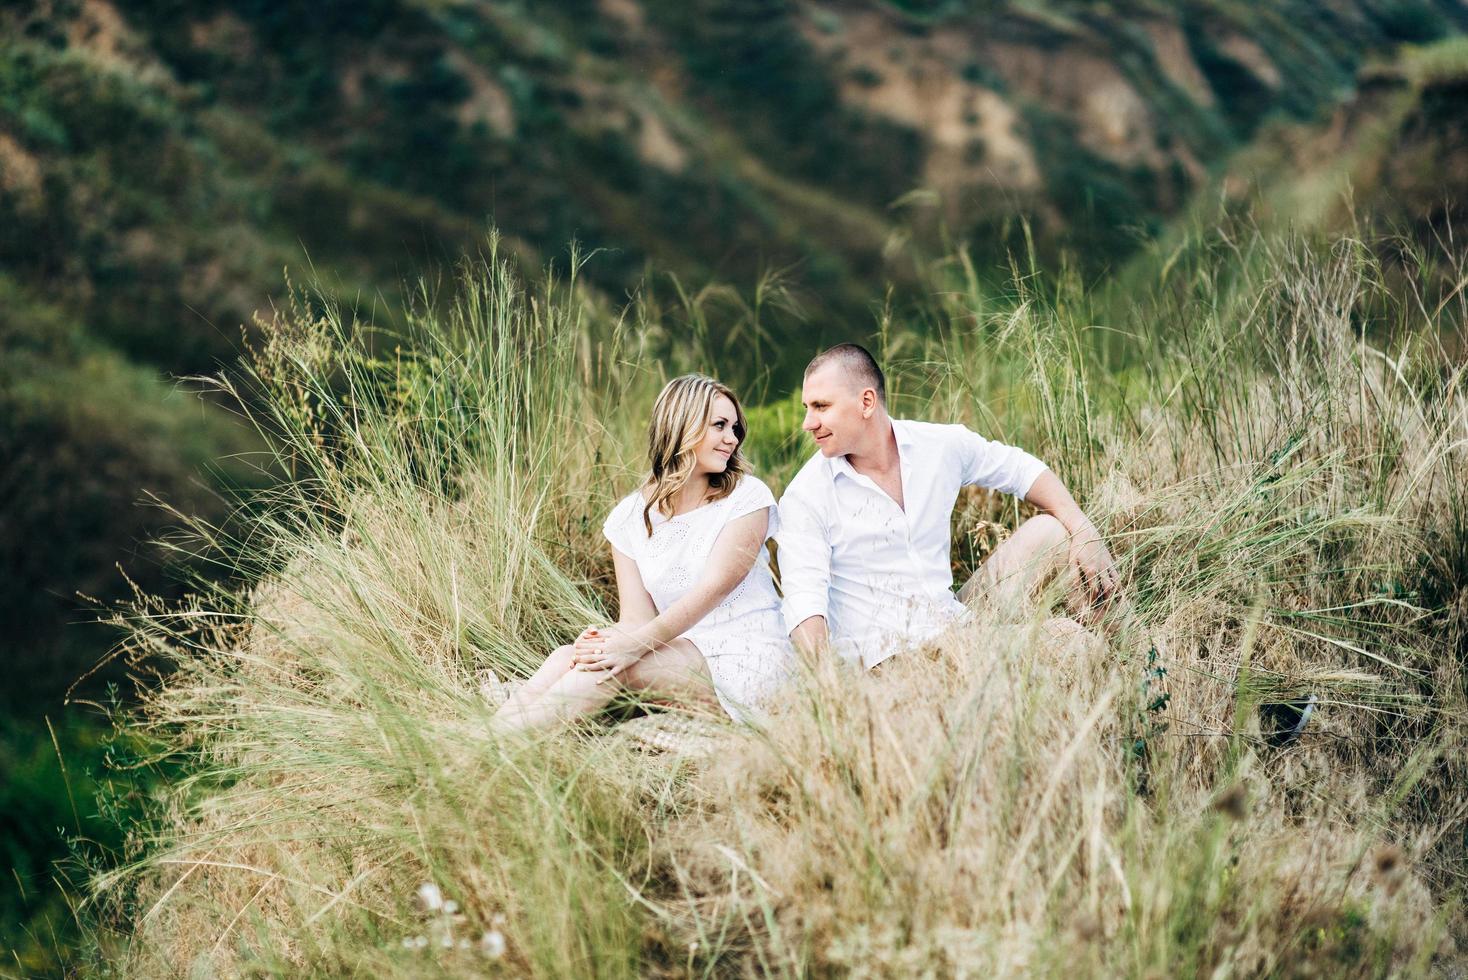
(1093, 562)
(607, 648)
(811, 638)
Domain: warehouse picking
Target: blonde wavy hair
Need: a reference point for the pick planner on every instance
(680, 417)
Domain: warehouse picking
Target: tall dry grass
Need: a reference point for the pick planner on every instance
(1274, 441)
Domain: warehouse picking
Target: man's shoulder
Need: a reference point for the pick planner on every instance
(816, 473)
(930, 432)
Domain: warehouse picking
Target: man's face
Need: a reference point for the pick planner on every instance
(835, 414)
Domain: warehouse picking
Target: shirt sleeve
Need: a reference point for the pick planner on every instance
(991, 464)
(752, 495)
(619, 527)
(805, 558)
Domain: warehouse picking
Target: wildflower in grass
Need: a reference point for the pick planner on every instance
(492, 944)
(430, 897)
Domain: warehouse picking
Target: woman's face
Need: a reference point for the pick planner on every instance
(719, 440)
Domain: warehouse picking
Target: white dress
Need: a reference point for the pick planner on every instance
(743, 638)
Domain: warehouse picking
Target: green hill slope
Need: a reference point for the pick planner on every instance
(1395, 151)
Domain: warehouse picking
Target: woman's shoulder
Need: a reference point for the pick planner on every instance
(623, 526)
(628, 507)
(752, 491)
(636, 498)
(751, 483)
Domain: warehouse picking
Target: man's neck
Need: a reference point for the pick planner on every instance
(881, 456)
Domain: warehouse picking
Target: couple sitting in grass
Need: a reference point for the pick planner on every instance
(863, 534)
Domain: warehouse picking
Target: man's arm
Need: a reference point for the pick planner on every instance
(1010, 470)
(804, 557)
(1088, 553)
(811, 637)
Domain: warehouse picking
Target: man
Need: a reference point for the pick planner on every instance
(864, 526)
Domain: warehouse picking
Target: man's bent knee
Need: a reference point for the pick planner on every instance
(1047, 529)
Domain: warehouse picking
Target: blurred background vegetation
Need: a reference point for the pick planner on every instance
(162, 163)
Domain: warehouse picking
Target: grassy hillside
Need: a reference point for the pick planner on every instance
(1284, 496)
(161, 164)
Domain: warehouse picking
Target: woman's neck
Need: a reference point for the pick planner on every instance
(692, 495)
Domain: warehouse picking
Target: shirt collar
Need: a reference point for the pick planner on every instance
(906, 439)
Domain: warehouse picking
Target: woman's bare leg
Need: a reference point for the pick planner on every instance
(550, 671)
(557, 693)
(554, 694)
(676, 671)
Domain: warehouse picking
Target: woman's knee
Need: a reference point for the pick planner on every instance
(563, 657)
(677, 666)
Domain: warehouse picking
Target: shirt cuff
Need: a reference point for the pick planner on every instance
(798, 608)
(1028, 476)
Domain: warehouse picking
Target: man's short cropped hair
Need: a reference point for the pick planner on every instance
(858, 364)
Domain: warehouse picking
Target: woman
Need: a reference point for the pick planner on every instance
(700, 618)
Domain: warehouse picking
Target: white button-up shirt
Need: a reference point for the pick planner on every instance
(879, 573)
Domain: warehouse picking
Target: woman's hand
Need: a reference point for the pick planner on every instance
(607, 648)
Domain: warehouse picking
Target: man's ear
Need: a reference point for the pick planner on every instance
(868, 403)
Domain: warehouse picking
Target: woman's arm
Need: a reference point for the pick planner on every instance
(732, 557)
(634, 606)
